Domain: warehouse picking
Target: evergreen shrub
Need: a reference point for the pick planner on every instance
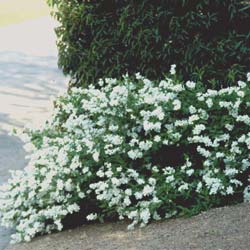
(207, 39)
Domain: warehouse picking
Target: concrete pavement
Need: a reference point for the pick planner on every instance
(29, 76)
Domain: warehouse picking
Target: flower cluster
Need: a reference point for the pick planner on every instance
(135, 149)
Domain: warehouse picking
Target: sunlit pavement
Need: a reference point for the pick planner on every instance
(29, 77)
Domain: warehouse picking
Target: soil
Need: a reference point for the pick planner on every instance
(226, 228)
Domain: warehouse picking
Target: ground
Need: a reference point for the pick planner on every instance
(29, 76)
(225, 228)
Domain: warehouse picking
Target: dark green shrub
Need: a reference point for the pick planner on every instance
(107, 38)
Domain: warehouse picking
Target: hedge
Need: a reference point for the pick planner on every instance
(207, 39)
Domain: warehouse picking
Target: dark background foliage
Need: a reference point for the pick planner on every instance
(207, 39)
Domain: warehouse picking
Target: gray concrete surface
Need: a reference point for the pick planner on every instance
(29, 76)
(225, 228)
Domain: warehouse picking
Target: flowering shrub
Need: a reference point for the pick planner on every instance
(134, 149)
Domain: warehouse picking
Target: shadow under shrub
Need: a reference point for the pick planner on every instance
(210, 39)
(132, 148)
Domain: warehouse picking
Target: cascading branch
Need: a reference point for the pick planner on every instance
(134, 149)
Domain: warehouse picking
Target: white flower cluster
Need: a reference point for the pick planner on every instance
(135, 148)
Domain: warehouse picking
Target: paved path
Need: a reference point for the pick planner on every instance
(225, 228)
(28, 78)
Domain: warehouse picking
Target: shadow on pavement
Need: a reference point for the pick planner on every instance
(26, 84)
(12, 157)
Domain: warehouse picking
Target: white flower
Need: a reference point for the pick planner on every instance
(243, 84)
(209, 102)
(119, 169)
(192, 109)
(229, 190)
(155, 169)
(115, 181)
(177, 104)
(203, 152)
(219, 155)
(156, 216)
(85, 170)
(183, 187)
(190, 172)
(248, 77)
(199, 186)
(158, 112)
(157, 138)
(27, 238)
(109, 173)
(147, 190)
(100, 82)
(245, 164)
(100, 173)
(92, 216)
(59, 225)
(81, 195)
(60, 185)
(128, 192)
(241, 94)
(145, 145)
(231, 171)
(138, 195)
(68, 185)
(96, 156)
(198, 129)
(229, 127)
(214, 184)
(140, 181)
(139, 76)
(190, 84)
(113, 128)
(62, 157)
(73, 208)
(193, 118)
(247, 194)
(132, 214)
(127, 201)
(173, 69)
(145, 215)
(134, 154)
(152, 181)
(170, 179)
(148, 126)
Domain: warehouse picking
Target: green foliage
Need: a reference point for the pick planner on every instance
(107, 38)
(132, 148)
